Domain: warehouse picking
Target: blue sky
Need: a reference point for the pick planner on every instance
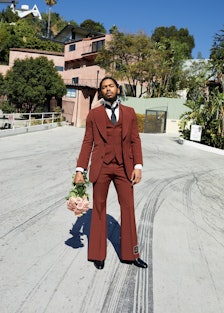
(202, 18)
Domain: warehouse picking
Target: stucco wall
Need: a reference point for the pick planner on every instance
(57, 58)
(173, 106)
(4, 69)
(88, 75)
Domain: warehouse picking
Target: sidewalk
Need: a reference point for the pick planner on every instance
(179, 215)
(30, 129)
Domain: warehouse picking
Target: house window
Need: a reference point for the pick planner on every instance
(75, 80)
(72, 47)
(97, 45)
(59, 68)
(71, 93)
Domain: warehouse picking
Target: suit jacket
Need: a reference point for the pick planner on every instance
(95, 139)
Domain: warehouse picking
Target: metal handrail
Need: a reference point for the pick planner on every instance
(12, 120)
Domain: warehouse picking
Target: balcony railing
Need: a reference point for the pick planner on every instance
(18, 120)
(93, 83)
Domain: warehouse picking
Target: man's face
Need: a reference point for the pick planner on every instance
(109, 90)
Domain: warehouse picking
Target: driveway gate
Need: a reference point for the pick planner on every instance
(155, 121)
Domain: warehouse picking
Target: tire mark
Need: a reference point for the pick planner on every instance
(33, 219)
(34, 290)
(188, 191)
(135, 291)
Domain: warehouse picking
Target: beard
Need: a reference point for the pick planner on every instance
(110, 99)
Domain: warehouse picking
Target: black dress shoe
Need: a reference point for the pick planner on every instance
(99, 264)
(139, 263)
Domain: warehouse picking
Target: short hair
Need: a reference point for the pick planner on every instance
(108, 77)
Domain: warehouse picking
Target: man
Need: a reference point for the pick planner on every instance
(112, 140)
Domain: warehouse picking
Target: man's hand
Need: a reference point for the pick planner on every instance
(136, 176)
(79, 178)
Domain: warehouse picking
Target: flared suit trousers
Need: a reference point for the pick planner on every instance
(97, 248)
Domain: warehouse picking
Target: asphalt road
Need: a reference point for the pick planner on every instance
(179, 215)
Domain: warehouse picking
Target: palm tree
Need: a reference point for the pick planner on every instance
(50, 3)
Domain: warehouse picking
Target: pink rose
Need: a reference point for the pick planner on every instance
(71, 203)
(78, 205)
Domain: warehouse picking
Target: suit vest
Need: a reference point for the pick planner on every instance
(113, 148)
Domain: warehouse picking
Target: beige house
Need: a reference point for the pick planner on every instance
(75, 65)
(81, 75)
(21, 54)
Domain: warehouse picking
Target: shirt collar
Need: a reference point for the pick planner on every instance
(113, 105)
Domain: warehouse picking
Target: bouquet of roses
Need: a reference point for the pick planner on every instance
(78, 198)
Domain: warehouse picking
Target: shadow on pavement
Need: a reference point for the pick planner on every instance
(81, 228)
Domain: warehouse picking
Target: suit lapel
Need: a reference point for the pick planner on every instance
(126, 120)
(100, 118)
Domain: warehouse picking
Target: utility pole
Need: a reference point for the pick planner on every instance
(7, 1)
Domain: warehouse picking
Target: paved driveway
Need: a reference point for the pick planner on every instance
(180, 219)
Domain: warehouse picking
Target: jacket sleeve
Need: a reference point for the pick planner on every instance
(136, 141)
(87, 144)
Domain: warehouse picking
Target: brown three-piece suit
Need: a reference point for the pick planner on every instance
(114, 151)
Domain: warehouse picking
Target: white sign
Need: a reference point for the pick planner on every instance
(196, 131)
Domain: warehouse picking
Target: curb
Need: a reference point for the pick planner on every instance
(200, 146)
(25, 130)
